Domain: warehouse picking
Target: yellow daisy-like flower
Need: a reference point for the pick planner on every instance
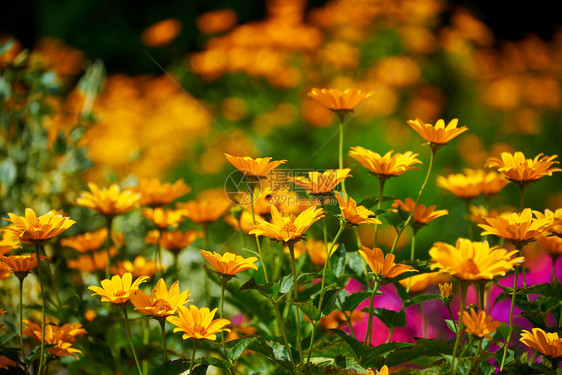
(197, 323)
(446, 290)
(480, 324)
(155, 193)
(89, 241)
(321, 183)
(518, 229)
(550, 244)
(61, 338)
(33, 230)
(382, 265)
(229, 263)
(118, 290)
(555, 219)
(467, 186)
(287, 228)
(163, 302)
(385, 166)
(340, 102)
(204, 211)
(316, 250)
(108, 201)
(140, 266)
(172, 240)
(438, 134)
(422, 214)
(95, 261)
(521, 170)
(546, 343)
(21, 265)
(493, 183)
(9, 240)
(354, 214)
(162, 218)
(419, 283)
(469, 260)
(253, 168)
(382, 371)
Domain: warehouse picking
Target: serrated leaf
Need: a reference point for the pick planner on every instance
(269, 290)
(355, 262)
(200, 370)
(373, 355)
(309, 309)
(175, 367)
(236, 351)
(419, 299)
(214, 361)
(451, 325)
(357, 347)
(7, 337)
(330, 299)
(286, 284)
(353, 300)
(551, 290)
(391, 318)
(322, 369)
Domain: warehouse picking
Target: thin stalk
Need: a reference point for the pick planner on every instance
(341, 151)
(109, 220)
(283, 332)
(131, 339)
(223, 338)
(477, 357)
(328, 252)
(382, 180)
(206, 241)
(412, 255)
(349, 323)
(399, 233)
(163, 331)
(21, 324)
(482, 294)
(257, 238)
(368, 336)
(192, 357)
(464, 290)
(43, 303)
(390, 332)
(452, 318)
(296, 297)
(365, 270)
(510, 319)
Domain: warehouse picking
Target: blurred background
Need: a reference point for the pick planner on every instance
(116, 91)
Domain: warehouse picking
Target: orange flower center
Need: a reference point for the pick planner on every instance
(469, 267)
(289, 229)
(198, 328)
(120, 293)
(162, 307)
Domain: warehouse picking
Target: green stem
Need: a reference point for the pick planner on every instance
(341, 152)
(257, 238)
(368, 336)
(206, 241)
(382, 180)
(464, 289)
(365, 270)
(283, 332)
(349, 323)
(452, 317)
(429, 169)
(510, 320)
(131, 339)
(221, 310)
(163, 331)
(109, 220)
(21, 324)
(296, 297)
(44, 302)
(477, 357)
(192, 357)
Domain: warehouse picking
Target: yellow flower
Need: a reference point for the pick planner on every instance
(5, 271)
(204, 211)
(550, 244)
(418, 283)
(32, 229)
(469, 260)
(518, 229)
(521, 170)
(480, 325)
(254, 168)
(162, 218)
(21, 265)
(95, 261)
(383, 371)
(89, 241)
(493, 183)
(340, 102)
(385, 166)
(437, 134)
(108, 201)
(382, 265)
(138, 267)
(198, 323)
(161, 33)
(172, 240)
(467, 186)
(9, 240)
(478, 213)
(163, 302)
(118, 290)
(316, 250)
(321, 183)
(154, 193)
(546, 343)
(229, 263)
(446, 290)
(555, 219)
(6, 362)
(245, 221)
(422, 215)
(61, 337)
(287, 228)
(353, 214)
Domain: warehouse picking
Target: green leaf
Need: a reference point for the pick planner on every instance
(309, 309)
(551, 290)
(451, 325)
(236, 351)
(175, 367)
(286, 284)
(419, 299)
(252, 251)
(503, 330)
(355, 262)
(213, 361)
(322, 369)
(373, 356)
(7, 337)
(200, 370)
(373, 200)
(357, 347)
(353, 300)
(269, 290)
(330, 299)
(391, 318)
